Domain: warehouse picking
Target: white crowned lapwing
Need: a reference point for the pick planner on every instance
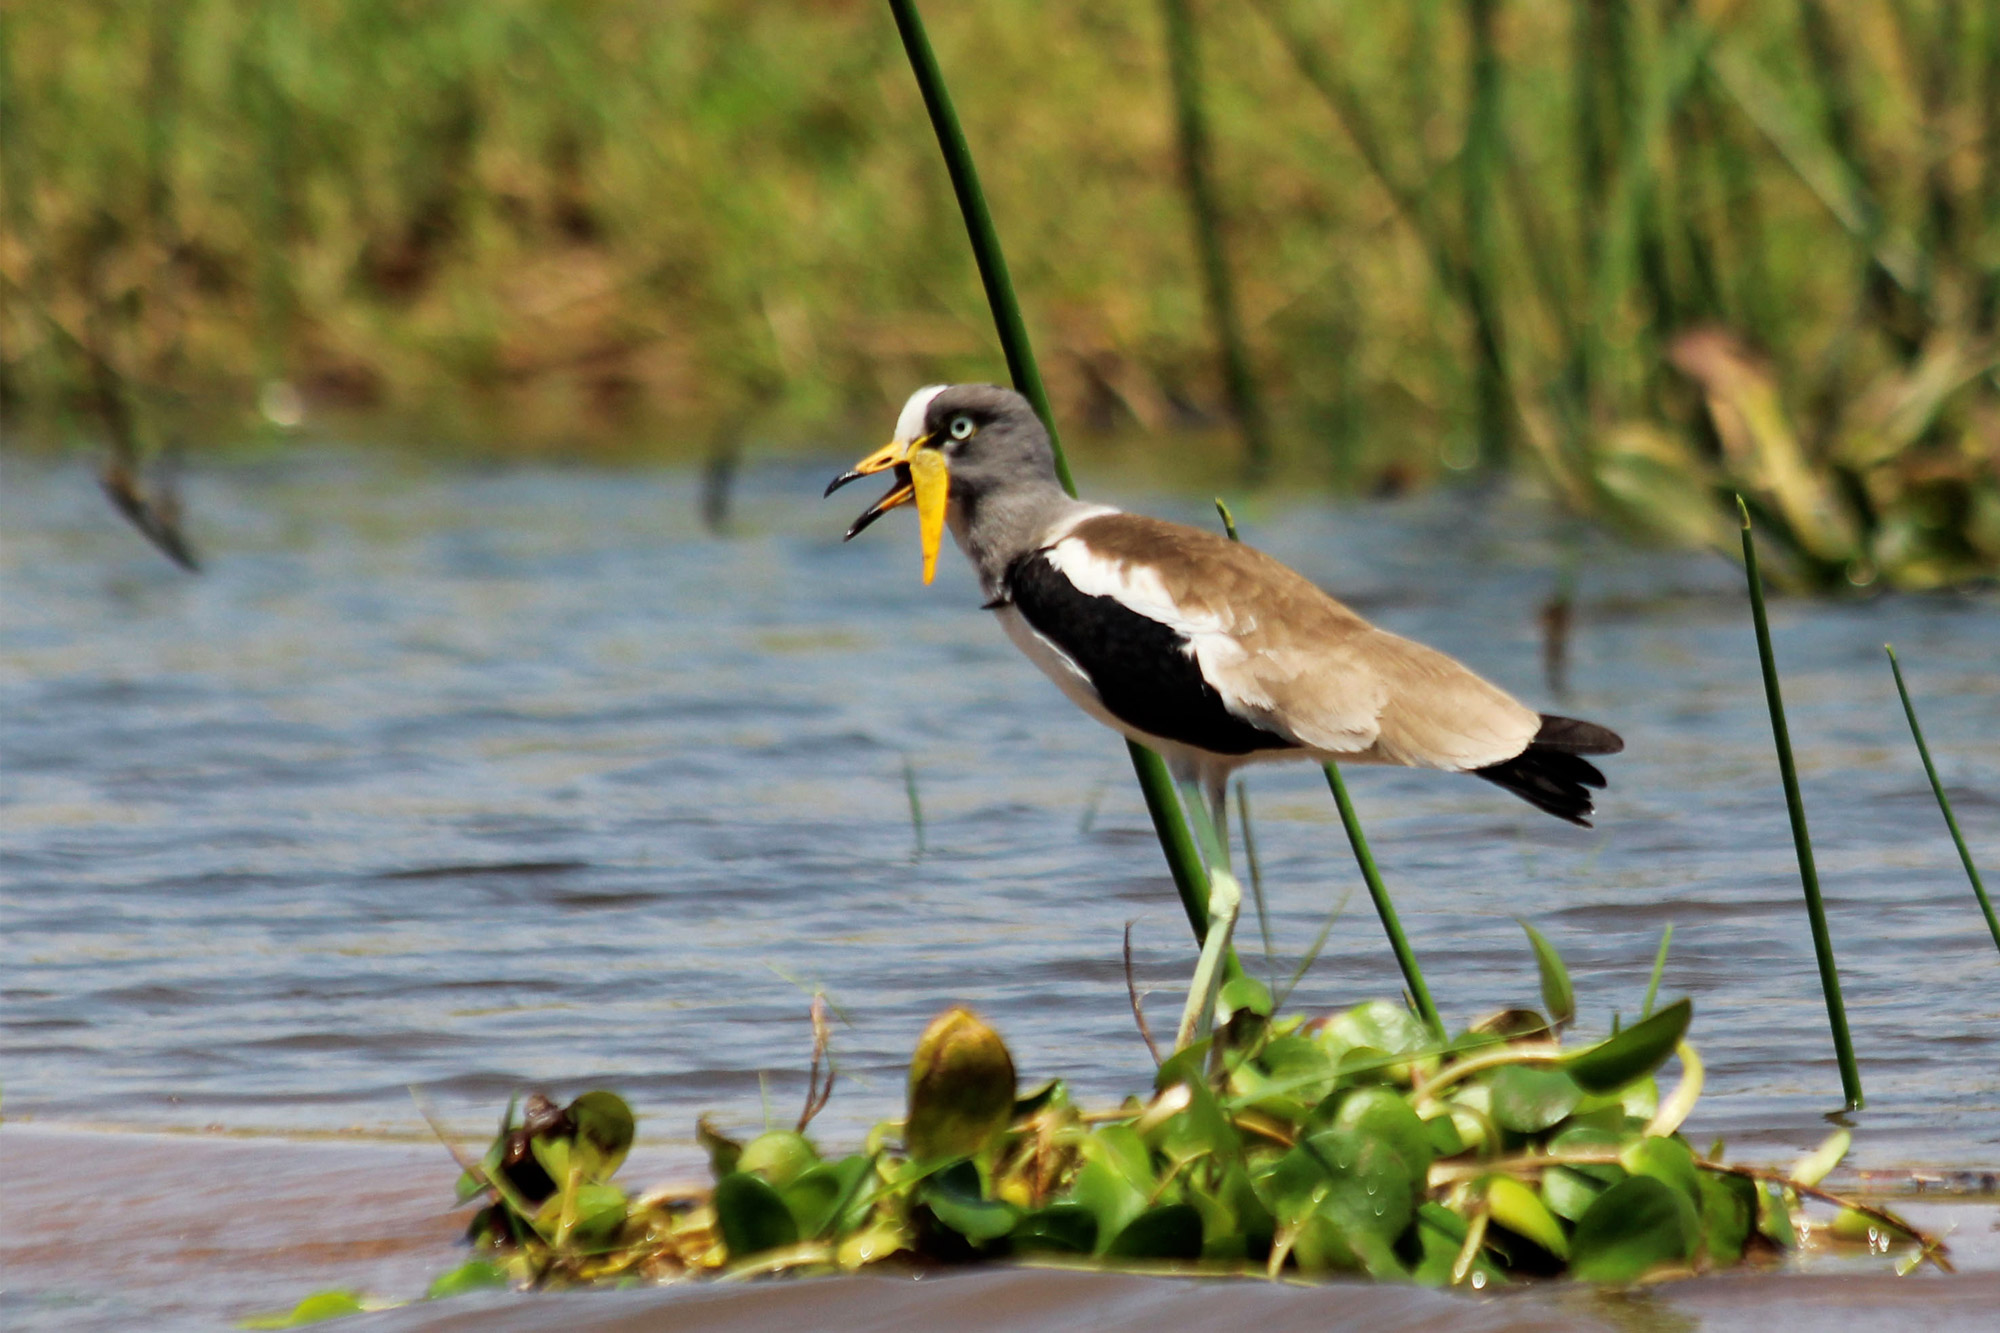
(1205, 650)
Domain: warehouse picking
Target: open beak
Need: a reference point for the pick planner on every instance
(922, 478)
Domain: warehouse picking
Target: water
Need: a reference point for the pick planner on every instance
(483, 780)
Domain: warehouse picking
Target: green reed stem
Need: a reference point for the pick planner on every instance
(986, 251)
(1413, 976)
(916, 807)
(1659, 967)
(1944, 802)
(1169, 820)
(1256, 882)
(1829, 973)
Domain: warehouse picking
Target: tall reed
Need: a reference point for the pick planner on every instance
(1170, 823)
(1385, 907)
(1944, 802)
(1829, 973)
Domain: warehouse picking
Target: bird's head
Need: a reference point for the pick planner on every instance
(954, 443)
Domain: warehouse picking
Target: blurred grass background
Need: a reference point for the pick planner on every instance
(1647, 251)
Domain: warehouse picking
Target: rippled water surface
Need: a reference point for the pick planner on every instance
(477, 780)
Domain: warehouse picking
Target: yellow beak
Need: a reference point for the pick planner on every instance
(922, 477)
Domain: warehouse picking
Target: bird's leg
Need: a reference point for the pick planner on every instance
(1225, 897)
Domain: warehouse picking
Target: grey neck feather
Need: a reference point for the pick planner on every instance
(997, 524)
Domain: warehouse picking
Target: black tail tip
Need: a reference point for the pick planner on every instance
(1574, 736)
(1551, 773)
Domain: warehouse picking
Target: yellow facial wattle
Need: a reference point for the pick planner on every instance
(930, 479)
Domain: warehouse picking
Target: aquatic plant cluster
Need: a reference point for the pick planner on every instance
(1356, 1143)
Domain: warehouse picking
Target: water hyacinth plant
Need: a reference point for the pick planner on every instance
(1354, 1143)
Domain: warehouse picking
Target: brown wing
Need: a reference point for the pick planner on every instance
(1294, 660)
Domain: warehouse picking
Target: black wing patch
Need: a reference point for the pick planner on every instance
(1140, 668)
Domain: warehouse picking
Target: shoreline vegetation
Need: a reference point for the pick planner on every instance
(1648, 254)
(1350, 1145)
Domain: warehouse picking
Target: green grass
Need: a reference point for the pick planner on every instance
(1650, 260)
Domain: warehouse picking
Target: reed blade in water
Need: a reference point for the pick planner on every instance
(916, 806)
(1406, 958)
(1256, 880)
(1169, 820)
(1944, 802)
(1659, 967)
(1829, 974)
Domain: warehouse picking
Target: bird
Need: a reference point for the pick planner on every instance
(1206, 650)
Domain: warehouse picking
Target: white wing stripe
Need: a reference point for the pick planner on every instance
(1211, 642)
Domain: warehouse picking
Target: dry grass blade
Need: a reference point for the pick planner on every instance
(818, 1091)
(1138, 1006)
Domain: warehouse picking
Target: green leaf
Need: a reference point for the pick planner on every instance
(1121, 1147)
(1445, 1139)
(600, 1212)
(1633, 1053)
(1815, 1165)
(552, 1154)
(1557, 996)
(1235, 1225)
(1298, 1065)
(1064, 1227)
(723, 1152)
(1519, 1209)
(1367, 1183)
(472, 1275)
(1440, 1234)
(1569, 1192)
(1505, 1025)
(1589, 1138)
(1245, 992)
(1387, 1028)
(1529, 1098)
(955, 1197)
(1052, 1093)
(822, 1191)
(1108, 1195)
(1170, 1231)
(1774, 1217)
(1861, 1228)
(1635, 1226)
(962, 1087)
(751, 1215)
(1385, 1114)
(1668, 1161)
(1728, 1216)
(780, 1156)
(604, 1126)
(1199, 1130)
(1187, 1065)
(320, 1306)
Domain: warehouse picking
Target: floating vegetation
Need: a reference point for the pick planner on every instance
(1348, 1145)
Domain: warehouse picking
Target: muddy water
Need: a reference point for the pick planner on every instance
(478, 780)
